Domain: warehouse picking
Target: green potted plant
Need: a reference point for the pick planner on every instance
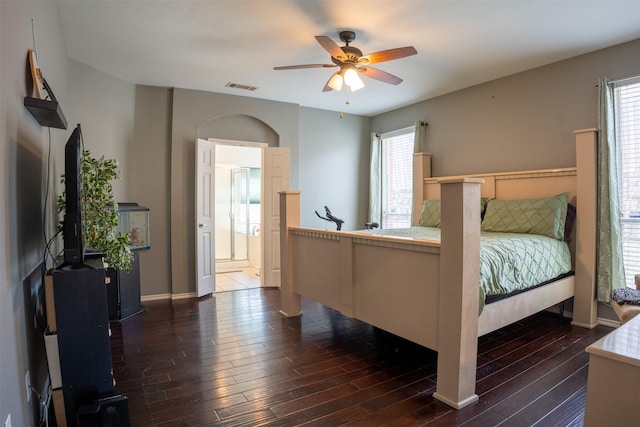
(99, 211)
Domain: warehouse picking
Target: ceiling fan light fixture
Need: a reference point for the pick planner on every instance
(348, 58)
(335, 82)
(353, 80)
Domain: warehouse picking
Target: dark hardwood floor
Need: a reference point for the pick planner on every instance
(232, 360)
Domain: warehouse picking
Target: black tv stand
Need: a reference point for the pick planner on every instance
(77, 317)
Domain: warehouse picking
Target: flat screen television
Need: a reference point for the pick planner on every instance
(72, 222)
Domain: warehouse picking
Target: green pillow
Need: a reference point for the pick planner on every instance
(544, 216)
(430, 216)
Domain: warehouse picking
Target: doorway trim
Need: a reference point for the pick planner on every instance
(238, 143)
(275, 163)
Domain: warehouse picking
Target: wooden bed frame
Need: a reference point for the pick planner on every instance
(428, 292)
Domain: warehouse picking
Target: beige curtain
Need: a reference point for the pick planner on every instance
(375, 182)
(420, 139)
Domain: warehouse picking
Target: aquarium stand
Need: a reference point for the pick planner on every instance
(123, 291)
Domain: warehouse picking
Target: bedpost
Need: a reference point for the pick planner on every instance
(459, 293)
(585, 306)
(421, 170)
(289, 217)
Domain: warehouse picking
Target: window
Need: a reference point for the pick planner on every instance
(626, 96)
(397, 178)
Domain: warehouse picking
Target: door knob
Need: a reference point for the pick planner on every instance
(200, 225)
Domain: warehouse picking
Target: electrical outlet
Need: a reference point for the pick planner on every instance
(27, 383)
(7, 422)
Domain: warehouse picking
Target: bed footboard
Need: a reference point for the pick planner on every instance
(419, 290)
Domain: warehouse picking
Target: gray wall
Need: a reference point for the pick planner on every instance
(167, 124)
(192, 116)
(148, 183)
(334, 168)
(22, 180)
(104, 107)
(525, 121)
(520, 122)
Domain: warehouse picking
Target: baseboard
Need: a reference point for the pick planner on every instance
(156, 297)
(599, 320)
(231, 264)
(185, 295)
(161, 297)
(228, 270)
(608, 322)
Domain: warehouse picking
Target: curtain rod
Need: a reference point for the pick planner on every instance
(420, 122)
(619, 81)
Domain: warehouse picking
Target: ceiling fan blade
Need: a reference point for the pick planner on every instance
(383, 76)
(331, 47)
(295, 67)
(388, 55)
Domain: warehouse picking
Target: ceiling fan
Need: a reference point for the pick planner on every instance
(352, 63)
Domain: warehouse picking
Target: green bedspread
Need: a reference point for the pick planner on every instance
(508, 261)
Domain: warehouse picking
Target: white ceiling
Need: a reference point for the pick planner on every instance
(204, 45)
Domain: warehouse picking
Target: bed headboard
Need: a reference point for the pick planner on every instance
(544, 183)
(513, 185)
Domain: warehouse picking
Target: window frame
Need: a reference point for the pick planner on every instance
(401, 219)
(627, 136)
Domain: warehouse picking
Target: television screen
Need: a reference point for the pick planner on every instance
(72, 222)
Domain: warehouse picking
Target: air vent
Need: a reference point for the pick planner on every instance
(239, 86)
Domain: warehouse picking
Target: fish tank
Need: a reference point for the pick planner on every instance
(133, 220)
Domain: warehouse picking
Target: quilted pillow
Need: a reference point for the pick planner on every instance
(430, 216)
(544, 216)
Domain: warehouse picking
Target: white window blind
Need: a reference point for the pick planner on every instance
(397, 179)
(627, 130)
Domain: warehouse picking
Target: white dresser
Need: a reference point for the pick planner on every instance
(613, 387)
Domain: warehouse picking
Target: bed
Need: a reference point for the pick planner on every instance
(428, 291)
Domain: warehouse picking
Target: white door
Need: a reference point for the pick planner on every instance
(275, 178)
(205, 221)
